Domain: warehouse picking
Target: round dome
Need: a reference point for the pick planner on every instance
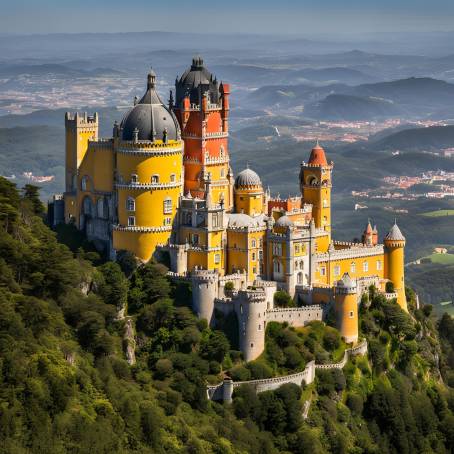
(241, 220)
(247, 178)
(150, 119)
(317, 156)
(195, 82)
(284, 221)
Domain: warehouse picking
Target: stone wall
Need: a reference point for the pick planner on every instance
(297, 316)
(224, 390)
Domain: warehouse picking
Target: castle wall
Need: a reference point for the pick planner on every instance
(299, 316)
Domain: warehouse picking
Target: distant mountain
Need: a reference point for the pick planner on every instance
(430, 138)
(348, 107)
(56, 70)
(291, 95)
(334, 75)
(413, 98)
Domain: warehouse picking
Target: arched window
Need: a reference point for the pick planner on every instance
(277, 266)
(299, 278)
(131, 204)
(155, 179)
(254, 243)
(353, 267)
(172, 178)
(84, 183)
(100, 207)
(168, 205)
(134, 178)
(87, 206)
(301, 265)
(131, 221)
(365, 266)
(296, 264)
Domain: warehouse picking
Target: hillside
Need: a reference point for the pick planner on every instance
(75, 380)
(348, 107)
(430, 138)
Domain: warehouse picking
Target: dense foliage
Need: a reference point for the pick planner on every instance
(66, 386)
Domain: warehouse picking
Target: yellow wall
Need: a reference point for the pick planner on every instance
(141, 244)
(250, 202)
(352, 266)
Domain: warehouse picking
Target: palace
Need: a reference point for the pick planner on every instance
(163, 186)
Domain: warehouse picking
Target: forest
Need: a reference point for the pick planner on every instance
(73, 381)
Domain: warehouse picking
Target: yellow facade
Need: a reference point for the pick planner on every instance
(249, 201)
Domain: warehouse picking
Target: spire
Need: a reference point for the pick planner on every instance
(395, 234)
(151, 79)
(317, 156)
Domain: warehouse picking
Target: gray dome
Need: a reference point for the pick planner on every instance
(284, 221)
(152, 119)
(241, 220)
(395, 234)
(195, 82)
(247, 177)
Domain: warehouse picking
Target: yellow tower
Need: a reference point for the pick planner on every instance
(79, 129)
(394, 263)
(315, 184)
(149, 175)
(248, 193)
(346, 305)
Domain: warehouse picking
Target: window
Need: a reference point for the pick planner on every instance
(325, 203)
(351, 314)
(84, 183)
(322, 271)
(254, 243)
(337, 270)
(297, 248)
(215, 220)
(168, 205)
(378, 265)
(277, 249)
(277, 266)
(253, 256)
(130, 204)
(365, 266)
(221, 152)
(299, 278)
(172, 178)
(208, 176)
(353, 268)
(195, 239)
(254, 270)
(217, 259)
(222, 173)
(296, 264)
(100, 207)
(167, 221)
(134, 178)
(260, 327)
(155, 179)
(260, 255)
(131, 221)
(301, 265)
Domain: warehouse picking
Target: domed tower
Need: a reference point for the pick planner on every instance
(202, 108)
(315, 184)
(149, 174)
(248, 193)
(346, 307)
(394, 263)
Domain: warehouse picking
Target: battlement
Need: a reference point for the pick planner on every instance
(350, 253)
(205, 275)
(77, 120)
(252, 296)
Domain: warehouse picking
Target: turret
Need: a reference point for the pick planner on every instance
(315, 184)
(346, 305)
(368, 235)
(394, 263)
(251, 308)
(204, 291)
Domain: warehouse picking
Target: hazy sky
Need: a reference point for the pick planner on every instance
(257, 16)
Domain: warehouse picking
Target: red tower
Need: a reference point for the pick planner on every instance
(202, 108)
